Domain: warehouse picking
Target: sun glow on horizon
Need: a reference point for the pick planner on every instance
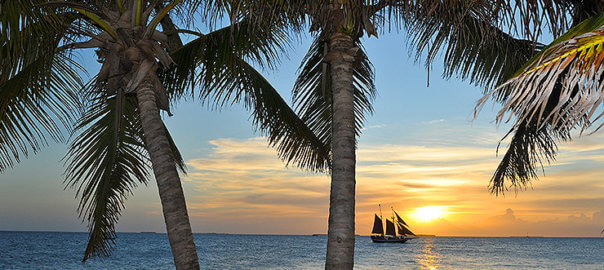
(429, 213)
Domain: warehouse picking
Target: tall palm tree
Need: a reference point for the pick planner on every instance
(143, 69)
(327, 99)
(335, 86)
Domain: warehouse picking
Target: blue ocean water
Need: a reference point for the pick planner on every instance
(57, 250)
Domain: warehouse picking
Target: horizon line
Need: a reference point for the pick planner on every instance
(313, 234)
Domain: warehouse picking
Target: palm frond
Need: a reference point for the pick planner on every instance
(37, 83)
(218, 64)
(37, 102)
(552, 118)
(583, 10)
(295, 142)
(104, 163)
(567, 75)
(529, 149)
(237, 81)
(201, 59)
(528, 19)
(474, 47)
(313, 96)
(27, 30)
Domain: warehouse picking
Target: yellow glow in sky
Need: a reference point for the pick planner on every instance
(429, 213)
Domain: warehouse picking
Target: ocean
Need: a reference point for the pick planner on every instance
(59, 250)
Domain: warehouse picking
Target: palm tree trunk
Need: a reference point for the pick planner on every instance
(340, 243)
(168, 181)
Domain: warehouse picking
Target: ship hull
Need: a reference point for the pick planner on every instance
(382, 239)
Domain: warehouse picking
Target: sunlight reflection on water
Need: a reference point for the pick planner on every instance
(429, 259)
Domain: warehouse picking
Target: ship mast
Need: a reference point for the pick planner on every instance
(378, 224)
(394, 220)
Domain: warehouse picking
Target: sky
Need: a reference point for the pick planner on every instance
(421, 153)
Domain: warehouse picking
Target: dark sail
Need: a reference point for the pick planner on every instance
(399, 219)
(404, 230)
(378, 227)
(390, 228)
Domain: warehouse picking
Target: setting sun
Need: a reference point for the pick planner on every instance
(429, 213)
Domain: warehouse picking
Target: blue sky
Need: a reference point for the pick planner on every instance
(419, 149)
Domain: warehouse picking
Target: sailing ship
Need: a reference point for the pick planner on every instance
(397, 230)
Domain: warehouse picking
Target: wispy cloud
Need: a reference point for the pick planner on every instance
(380, 126)
(241, 186)
(436, 121)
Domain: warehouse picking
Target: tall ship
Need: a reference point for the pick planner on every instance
(397, 230)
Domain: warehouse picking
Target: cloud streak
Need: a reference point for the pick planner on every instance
(241, 186)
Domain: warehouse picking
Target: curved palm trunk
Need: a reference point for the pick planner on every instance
(168, 181)
(340, 243)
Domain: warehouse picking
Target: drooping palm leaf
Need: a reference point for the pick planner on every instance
(575, 61)
(105, 166)
(105, 162)
(37, 82)
(217, 63)
(474, 47)
(22, 23)
(222, 47)
(295, 143)
(535, 138)
(528, 149)
(37, 102)
(312, 91)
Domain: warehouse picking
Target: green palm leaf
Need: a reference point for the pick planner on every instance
(312, 91)
(529, 148)
(37, 101)
(525, 18)
(295, 142)
(218, 64)
(567, 76)
(198, 61)
(22, 23)
(535, 136)
(105, 166)
(37, 96)
(105, 162)
(474, 48)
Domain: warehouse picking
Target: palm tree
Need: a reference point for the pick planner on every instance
(556, 91)
(143, 69)
(335, 86)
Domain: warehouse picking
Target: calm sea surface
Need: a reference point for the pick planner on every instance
(54, 250)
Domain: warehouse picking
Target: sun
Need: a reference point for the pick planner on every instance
(429, 213)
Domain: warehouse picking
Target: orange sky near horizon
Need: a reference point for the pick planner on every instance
(240, 186)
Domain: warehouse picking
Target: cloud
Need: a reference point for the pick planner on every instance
(241, 186)
(432, 122)
(376, 126)
(507, 217)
